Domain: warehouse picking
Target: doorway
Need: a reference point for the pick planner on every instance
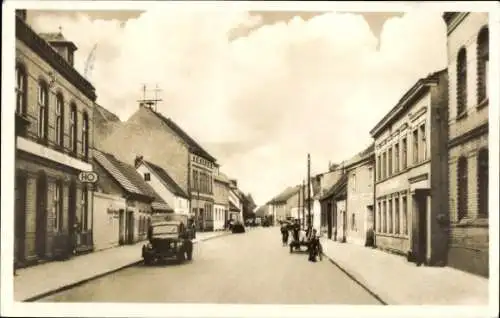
(329, 213)
(20, 219)
(41, 215)
(71, 216)
(420, 229)
(121, 227)
(130, 227)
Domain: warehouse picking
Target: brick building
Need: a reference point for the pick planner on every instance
(360, 190)
(468, 57)
(53, 119)
(149, 134)
(411, 173)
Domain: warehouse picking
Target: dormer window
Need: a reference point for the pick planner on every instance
(147, 176)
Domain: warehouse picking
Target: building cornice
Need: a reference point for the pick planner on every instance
(453, 19)
(29, 37)
(414, 93)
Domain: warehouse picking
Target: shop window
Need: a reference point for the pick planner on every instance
(482, 191)
(462, 185)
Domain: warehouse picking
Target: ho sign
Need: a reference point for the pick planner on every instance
(88, 177)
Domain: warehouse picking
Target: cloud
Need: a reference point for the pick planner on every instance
(261, 96)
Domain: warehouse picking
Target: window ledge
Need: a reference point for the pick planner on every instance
(462, 115)
(469, 222)
(483, 103)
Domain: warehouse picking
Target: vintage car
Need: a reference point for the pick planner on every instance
(168, 240)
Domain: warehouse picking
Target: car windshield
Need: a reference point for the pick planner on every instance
(165, 229)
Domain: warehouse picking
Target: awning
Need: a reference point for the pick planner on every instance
(233, 208)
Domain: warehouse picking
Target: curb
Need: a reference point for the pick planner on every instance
(97, 276)
(357, 280)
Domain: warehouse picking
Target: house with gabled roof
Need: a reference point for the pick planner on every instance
(281, 205)
(333, 203)
(150, 134)
(123, 202)
(164, 185)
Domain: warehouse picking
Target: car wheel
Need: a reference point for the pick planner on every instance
(181, 257)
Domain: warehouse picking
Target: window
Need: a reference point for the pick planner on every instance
(379, 176)
(396, 216)
(147, 176)
(396, 158)
(423, 145)
(43, 112)
(353, 179)
(405, 215)
(60, 120)
(384, 230)
(73, 128)
(482, 176)
(390, 161)
(195, 180)
(415, 146)
(461, 81)
(353, 222)
(85, 208)
(482, 65)
(370, 176)
(58, 205)
(391, 225)
(404, 155)
(21, 81)
(85, 136)
(462, 188)
(384, 165)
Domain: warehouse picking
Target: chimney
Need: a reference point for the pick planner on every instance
(22, 13)
(138, 161)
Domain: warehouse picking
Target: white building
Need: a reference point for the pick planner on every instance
(164, 185)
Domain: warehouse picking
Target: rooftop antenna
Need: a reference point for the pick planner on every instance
(149, 103)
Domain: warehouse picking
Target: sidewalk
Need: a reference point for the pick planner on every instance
(398, 282)
(33, 282)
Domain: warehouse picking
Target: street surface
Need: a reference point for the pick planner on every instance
(251, 268)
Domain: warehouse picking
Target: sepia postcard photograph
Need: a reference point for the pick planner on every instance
(250, 159)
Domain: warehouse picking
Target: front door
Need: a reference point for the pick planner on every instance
(20, 219)
(420, 229)
(329, 219)
(72, 216)
(41, 215)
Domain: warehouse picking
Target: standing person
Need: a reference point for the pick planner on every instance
(315, 248)
(284, 234)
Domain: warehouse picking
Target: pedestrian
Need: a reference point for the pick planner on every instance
(315, 248)
(284, 234)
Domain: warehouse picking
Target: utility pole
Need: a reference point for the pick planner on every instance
(309, 190)
(303, 190)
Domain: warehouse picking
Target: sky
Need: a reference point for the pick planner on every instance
(259, 90)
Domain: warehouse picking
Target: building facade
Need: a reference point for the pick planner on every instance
(322, 186)
(185, 161)
(411, 173)
(468, 60)
(164, 185)
(221, 205)
(282, 205)
(131, 215)
(53, 120)
(360, 196)
(333, 206)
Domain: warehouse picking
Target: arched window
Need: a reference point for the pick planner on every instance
(21, 89)
(462, 172)
(482, 64)
(461, 81)
(60, 120)
(73, 128)
(85, 136)
(482, 180)
(43, 111)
